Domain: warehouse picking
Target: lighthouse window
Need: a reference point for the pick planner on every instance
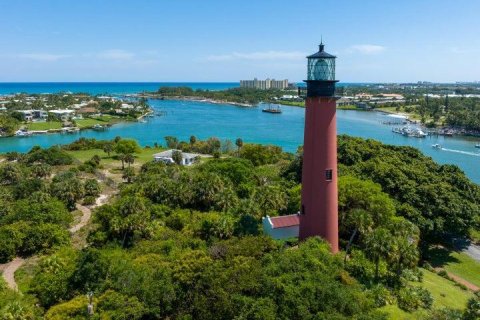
(328, 174)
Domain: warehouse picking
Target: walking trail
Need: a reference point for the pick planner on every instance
(460, 280)
(87, 213)
(8, 269)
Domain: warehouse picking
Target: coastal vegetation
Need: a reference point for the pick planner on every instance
(235, 95)
(186, 242)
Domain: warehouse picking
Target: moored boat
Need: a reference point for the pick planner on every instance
(271, 109)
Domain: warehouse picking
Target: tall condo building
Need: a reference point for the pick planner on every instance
(264, 84)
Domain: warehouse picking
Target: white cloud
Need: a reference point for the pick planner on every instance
(367, 48)
(43, 56)
(260, 55)
(116, 54)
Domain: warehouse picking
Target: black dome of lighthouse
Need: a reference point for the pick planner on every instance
(321, 54)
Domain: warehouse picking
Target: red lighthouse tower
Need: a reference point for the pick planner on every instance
(319, 214)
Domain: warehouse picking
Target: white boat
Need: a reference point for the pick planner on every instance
(477, 145)
(436, 146)
(22, 133)
(410, 132)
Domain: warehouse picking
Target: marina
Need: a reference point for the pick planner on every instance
(412, 132)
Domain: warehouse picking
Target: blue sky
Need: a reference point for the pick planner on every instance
(210, 40)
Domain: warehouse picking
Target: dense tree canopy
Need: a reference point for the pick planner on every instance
(186, 243)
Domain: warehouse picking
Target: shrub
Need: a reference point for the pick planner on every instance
(88, 200)
(411, 298)
(381, 295)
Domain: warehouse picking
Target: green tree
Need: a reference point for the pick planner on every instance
(108, 148)
(378, 246)
(128, 174)
(172, 142)
(10, 174)
(193, 140)
(41, 170)
(129, 159)
(92, 188)
(177, 156)
(239, 144)
(126, 147)
(68, 190)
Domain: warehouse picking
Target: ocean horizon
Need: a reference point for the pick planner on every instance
(95, 88)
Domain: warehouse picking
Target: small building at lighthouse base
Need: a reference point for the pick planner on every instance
(282, 227)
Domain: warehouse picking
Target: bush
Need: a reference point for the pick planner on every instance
(92, 188)
(41, 237)
(381, 295)
(445, 314)
(444, 274)
(53, 156)
(411, 298)
(88, 200)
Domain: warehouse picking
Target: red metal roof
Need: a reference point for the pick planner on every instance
(285, 221)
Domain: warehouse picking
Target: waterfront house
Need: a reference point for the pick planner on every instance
(282, 227)
(127, 106)
(87, 110)
(33, 115)
(167, 157)
(62, 114)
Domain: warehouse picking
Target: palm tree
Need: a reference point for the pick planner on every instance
(239, 144)
(130, 159)
(378, 246)
(121, 157)
(108, 148)
(128, 174)
(41, 170)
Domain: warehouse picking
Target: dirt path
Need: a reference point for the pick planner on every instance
(87, 213)
(8, 269)
(9, 272)
(460, 280)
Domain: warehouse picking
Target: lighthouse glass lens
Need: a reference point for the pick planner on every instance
(321, 69)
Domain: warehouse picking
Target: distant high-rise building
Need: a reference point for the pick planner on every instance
(264, 84)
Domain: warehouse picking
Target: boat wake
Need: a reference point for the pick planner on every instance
(475, 154)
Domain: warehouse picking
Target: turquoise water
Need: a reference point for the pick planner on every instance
(184, 118)
(95, 88)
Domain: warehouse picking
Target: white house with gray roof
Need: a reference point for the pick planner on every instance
(167, 157)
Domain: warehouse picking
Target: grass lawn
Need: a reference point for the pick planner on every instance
(24, 275)
(90, 122)
(395, 313)
(291, 103)
(140, 158)
(455, 262)
(44, 125)
(349, 107)
(444, 293)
